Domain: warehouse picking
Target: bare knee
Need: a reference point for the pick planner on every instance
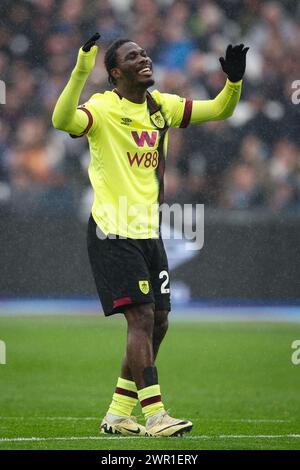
(141, 317)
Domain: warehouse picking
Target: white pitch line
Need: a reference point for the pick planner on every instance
(53, 418)
(100, 438)
(70, 438)
(259, 420)
(258, 436)
(94, 418)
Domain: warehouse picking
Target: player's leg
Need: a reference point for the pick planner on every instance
(139, 352)
(139, 362)
(125, 369)
(159, 331)
(139, 357)
(161, 324)
(134, 333)
(160, 423)
(115, 264)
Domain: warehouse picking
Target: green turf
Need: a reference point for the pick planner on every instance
(219, 375)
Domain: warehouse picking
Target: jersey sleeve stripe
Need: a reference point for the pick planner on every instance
(90, 123)
(187, 113)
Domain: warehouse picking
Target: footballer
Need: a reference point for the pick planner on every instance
(127, 131)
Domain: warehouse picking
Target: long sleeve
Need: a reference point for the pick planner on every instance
(221, 107)
(66, 116)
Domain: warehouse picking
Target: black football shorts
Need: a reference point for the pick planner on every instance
(128, 271)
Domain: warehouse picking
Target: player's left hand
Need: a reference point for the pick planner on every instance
(234, 64)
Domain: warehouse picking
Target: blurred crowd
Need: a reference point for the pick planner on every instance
(251, 161)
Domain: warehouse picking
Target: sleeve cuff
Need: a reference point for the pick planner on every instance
(186, 113)
(234, 84)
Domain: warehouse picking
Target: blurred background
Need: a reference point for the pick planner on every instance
(246, 170)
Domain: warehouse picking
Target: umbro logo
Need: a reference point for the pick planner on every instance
(126, 121)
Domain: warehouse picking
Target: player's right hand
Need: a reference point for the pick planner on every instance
(91, 42)
(87, 55)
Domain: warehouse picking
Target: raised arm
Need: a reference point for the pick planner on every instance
(222, 107)
(66, 116)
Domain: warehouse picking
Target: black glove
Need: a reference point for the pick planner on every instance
(91, 42)
(234, 64)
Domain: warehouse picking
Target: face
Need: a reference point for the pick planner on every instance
(134, 66)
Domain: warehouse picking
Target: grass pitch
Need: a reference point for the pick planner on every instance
(235, 381)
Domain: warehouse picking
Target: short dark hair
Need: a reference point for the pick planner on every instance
(110, 58)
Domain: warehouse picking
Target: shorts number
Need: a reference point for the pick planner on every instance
(163, 289)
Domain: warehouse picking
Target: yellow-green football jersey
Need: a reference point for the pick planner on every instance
(126, 167)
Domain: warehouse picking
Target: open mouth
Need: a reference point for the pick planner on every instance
(146, 71)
